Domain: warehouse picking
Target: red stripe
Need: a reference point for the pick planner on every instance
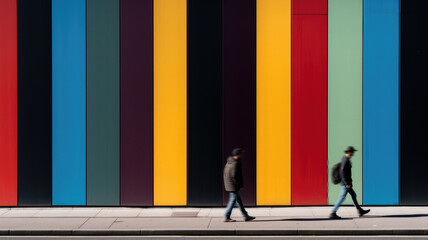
(309, 7)
(309, 109)
(8, 103)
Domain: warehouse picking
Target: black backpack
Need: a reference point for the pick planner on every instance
(335, 174)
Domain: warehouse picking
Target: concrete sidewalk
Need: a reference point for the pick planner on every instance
(209, 221)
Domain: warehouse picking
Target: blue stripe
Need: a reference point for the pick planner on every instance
(68, 102)
(381, 106)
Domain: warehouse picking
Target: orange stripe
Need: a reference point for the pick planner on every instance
(273, 102)
(170, 102)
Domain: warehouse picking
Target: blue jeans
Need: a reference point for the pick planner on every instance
(234, 199)
(342, 198)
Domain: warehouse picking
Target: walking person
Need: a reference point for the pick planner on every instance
(346, 182)
(233, 182)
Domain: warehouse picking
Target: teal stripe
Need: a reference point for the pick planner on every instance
(345, 89)
(103, 88)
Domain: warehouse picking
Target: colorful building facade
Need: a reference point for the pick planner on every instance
(139, 102)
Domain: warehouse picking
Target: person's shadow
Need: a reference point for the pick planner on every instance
(298, 219)
(345, 218)
(397, 216)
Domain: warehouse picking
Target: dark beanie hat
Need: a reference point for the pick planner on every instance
(237, 151)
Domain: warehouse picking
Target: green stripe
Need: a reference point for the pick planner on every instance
(103, 143)
(345, 89)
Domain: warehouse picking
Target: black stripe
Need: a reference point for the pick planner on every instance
(204, 102)
(239, 89)
(34, 103)
(413, 102)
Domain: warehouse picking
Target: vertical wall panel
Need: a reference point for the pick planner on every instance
(170, 78)
(34, 102)
(273, 102)
(136, 45)
(69, 102)
(8, 103)
(345, 89)
(413, 102)
(204, 102)
(309, 109)
(380, 116)
(239, 89)
(103, 86)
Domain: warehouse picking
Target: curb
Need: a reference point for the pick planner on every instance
(216, 232)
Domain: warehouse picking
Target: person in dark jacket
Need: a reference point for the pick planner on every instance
(233, 182)
(346, 182)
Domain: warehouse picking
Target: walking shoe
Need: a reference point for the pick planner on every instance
(333, 215)
(362, 212)
(249, 218)
(229, 220)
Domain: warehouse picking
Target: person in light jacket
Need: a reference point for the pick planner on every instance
(233, 182)
(346, 182)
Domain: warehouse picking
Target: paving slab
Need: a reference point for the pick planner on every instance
(185, 209)
(26, 212)
(4, 210)
(292, 212)
(156, 212)
(204, 212)
(61, 212)
(267, 223)
(160, 223)
(321, 211)
(258, 212)
(392, 222)
(219, 212)
(119, 212)
(41, 223)
(98, 223)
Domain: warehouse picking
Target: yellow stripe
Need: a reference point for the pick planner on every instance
(273, 102)
(170, 76)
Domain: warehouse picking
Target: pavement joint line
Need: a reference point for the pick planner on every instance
(209, 224)
(4, 212)
(81, 225)
(111, 224)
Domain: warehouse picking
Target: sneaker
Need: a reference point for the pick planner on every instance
(333, 215)
(362, 212)
(229, 220)
(249, 218)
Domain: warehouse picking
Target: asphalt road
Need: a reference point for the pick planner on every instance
(220, 238)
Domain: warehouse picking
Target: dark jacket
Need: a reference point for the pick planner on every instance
(232, 175)
(345, 171)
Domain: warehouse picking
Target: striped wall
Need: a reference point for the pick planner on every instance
(139, 102)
